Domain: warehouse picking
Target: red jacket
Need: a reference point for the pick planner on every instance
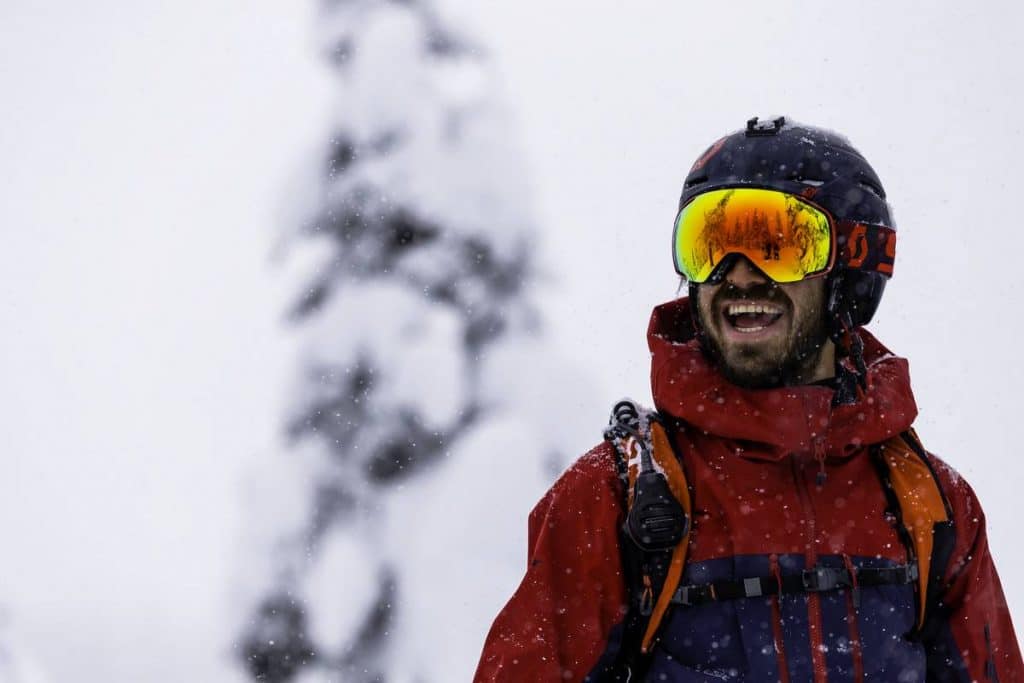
(753, 460)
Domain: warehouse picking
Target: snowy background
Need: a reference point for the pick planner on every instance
(152, 156)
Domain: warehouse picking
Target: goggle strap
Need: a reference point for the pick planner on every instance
(865, 247)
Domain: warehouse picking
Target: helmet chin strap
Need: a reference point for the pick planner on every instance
(848, 343)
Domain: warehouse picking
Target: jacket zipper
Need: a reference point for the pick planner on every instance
(811, 559)
(852, 605)
(780, 647)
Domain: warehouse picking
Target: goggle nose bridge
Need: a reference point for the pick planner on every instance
(726, 265)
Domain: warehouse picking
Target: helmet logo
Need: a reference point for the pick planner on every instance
(867, 247)
(706, 156)
(858, 237)
(885, 265)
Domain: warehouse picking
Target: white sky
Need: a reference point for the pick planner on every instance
(145, 154)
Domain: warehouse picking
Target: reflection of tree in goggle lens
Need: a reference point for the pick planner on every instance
(783, 235)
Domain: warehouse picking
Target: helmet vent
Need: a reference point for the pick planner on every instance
(692, 182)
(871, 186)
(804, 180)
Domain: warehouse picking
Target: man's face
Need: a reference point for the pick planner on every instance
(765, 334)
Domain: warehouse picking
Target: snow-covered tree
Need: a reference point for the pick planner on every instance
(425, 400)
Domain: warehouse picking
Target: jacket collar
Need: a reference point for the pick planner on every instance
(774, 422)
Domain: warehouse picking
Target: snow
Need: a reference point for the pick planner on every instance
(416, 350)
(342, 583)
(17, 665)
(461, 537)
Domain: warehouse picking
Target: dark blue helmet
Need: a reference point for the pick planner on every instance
(814, 163)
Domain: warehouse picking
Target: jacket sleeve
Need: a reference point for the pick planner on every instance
(974, 639)
(560, 620)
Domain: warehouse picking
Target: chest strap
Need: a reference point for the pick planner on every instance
(814, 580)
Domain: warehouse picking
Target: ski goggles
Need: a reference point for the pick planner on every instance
(787, 237)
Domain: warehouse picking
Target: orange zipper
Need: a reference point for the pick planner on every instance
(814, 626)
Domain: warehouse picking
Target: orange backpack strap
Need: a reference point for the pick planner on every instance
(922, 512)
(644, 451)
(670, 466)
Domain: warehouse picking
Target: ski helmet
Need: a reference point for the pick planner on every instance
(816, 164)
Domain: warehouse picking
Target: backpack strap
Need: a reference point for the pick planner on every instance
(657, 529)
(817, 579)
(646, 460)
(923, 516)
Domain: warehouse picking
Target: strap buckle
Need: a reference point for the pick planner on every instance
(683, 596)
(819, 579)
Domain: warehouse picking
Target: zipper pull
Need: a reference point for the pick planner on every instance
(855, 585)
(647, 598)
(819, 455)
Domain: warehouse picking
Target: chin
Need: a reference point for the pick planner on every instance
(753, 376)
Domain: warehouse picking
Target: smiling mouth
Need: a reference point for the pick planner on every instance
(748, 318)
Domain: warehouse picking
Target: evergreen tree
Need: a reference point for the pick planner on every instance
(418, 358)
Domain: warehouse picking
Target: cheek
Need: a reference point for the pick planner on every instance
(705, 295)
(808, 299)
(809, 295)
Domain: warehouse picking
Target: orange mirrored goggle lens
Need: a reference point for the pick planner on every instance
(786, 237)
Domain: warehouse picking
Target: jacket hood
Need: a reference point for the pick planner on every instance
(776, 422)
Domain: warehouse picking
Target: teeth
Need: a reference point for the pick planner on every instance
(749, 329)
(736, 309)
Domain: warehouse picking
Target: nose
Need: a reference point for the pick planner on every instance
(743, 274)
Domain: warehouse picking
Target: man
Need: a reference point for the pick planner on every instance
(777, 518)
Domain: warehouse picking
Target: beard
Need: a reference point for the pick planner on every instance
(786, 361)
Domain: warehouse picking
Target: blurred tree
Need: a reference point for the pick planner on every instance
(421, 255)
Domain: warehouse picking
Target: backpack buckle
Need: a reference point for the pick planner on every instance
(819, 579)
